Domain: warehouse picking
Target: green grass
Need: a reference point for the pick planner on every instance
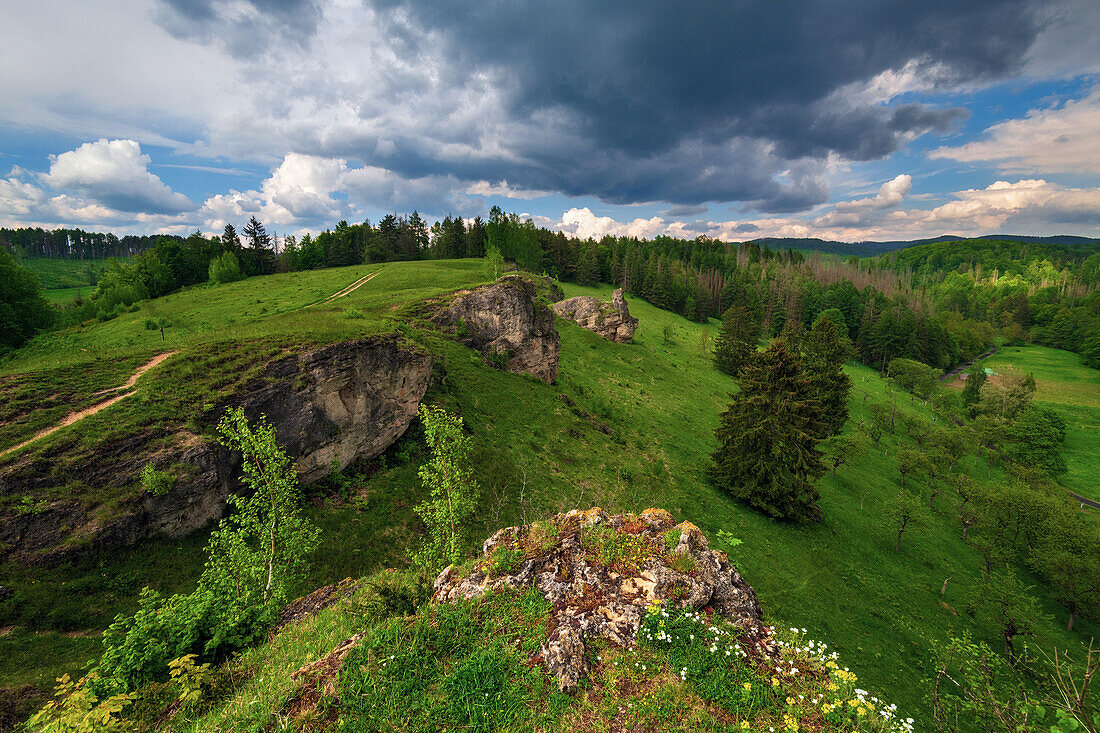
(627, 426)
(1070, 388)
(55, 274)
(61, 296)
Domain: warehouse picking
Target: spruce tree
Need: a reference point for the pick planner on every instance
(736, 340)
(767, 451)
(824, 351)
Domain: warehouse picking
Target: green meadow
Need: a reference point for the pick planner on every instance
(626, 427)
(1072, 389)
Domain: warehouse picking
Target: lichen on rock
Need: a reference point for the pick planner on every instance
(601, 572)
(610, 320)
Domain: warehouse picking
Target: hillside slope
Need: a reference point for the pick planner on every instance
(625, 427)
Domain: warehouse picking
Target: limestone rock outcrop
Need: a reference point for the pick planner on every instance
(656, 561)
(333, 404)
(610, 320)
(509, 326)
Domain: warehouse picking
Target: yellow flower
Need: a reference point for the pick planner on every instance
(747, 685)
(790, 701)
(744, 725)
(775, 682)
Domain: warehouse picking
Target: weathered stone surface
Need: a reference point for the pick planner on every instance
(591, 599)
(610, 320)
(337, 403)
(507, 325)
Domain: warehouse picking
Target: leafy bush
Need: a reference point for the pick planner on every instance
(225, 268)
(77, 709)
(252, 557)
(154, 482)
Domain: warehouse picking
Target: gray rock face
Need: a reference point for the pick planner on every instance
(610, 320)
(591, 599)
(340, 402)
(508, 326)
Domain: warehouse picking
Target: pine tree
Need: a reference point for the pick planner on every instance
(736, 340)
(257, 234)
(767, 440)
(230, 240)
(824, 351)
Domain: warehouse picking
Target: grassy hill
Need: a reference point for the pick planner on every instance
(625, 427)
(55, 274)
(1070, 388)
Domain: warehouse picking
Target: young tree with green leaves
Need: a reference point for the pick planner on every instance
(972, 391)
(253, 558)
(1075, 578)
(260, 548)
(909, 461)
(736, 339)
(494, 262)
(1035, 439)
(843, 449)
(902, 514)
(767, 452)
(1009, 606)
(449, 478)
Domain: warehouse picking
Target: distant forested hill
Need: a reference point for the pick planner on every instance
(1005, 256)
(872, 249)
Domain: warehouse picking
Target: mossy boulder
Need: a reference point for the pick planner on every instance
(601, 572)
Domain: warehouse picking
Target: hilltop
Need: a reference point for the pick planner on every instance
(624, 426)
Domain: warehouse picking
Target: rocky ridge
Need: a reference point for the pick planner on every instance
(610, 320)
(601, 572)
(509, 324)
(330, 405)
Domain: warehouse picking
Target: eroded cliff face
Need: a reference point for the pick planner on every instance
(507, 324)
(337, 403)
(610, 320)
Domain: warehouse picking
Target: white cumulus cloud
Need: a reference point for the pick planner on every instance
(1060, 139)
(115, 174)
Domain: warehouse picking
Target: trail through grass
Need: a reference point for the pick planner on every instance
(626, 426)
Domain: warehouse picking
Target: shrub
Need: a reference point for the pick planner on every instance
(252, 557)
(225, 268)
(154, 482)
(77, 709)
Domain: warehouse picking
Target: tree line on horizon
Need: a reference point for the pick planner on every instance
(894, 306)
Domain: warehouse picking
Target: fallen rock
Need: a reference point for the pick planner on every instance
(610, 320)
(329, 405)
(509, 326)
(656, 561)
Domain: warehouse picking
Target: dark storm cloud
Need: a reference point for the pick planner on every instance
(269, 21)
(679, 212)
(657, 101)
(643, 80)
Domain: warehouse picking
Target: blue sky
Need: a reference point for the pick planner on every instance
(859, 120)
